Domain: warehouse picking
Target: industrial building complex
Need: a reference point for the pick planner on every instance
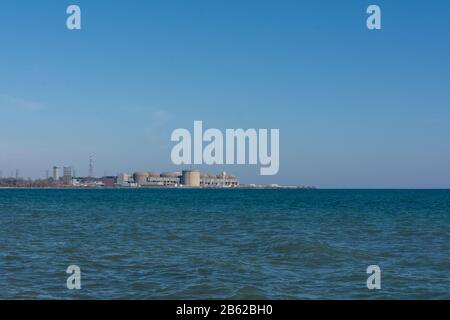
(65, 177)
(188, 178)
(140, 179)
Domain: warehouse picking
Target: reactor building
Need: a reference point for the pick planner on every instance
(187, 178)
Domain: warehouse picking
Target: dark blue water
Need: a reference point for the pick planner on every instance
(242, 244)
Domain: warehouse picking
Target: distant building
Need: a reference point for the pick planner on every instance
(220, 180)
(55, 173)
(109, 181)
(189, 178)
(124, 180)
(67, 175)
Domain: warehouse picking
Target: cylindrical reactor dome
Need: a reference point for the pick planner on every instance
(191, 178)
(140, 177)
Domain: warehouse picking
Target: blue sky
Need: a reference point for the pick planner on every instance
(355, 108)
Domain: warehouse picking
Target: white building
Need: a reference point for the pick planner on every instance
(55, 173)
(125, 180)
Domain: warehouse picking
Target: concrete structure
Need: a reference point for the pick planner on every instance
(164, 179)
(140, 177)
(67, 175)
(149, 179)
(55, 173)
(220, 180)
(124, 179)
(190, 178)
(109, 181)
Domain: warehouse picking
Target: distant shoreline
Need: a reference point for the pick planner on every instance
(163, 187)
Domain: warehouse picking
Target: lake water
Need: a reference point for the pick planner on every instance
(212, 244)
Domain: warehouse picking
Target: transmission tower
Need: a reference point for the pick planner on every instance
(91, 167)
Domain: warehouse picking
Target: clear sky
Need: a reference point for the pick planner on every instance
(355, 108)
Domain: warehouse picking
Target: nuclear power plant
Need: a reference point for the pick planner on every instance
(187, 178)
(64, 177)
